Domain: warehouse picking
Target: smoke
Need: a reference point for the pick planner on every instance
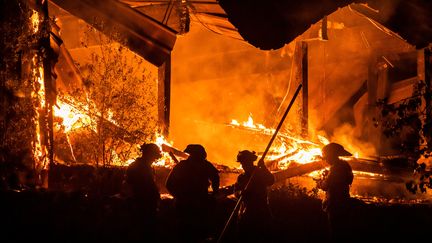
(345, 135)
(386, 9)
(218, 81)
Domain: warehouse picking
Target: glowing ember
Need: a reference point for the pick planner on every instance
(368, 174)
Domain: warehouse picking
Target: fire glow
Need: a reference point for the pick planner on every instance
(35, 21)
(288, 148)
(166, 161)
(38, 94)
(74, 119)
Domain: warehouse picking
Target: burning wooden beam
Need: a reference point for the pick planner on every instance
(299, 170)
(268, 132)
(169, 149)
(361, 165)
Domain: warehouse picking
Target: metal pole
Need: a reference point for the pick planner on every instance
(305, 81)
(260, 163)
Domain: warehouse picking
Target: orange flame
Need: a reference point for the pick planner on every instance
(288, 148)
(38, 93)
(250, 124)
(166, 160)
(35, 21)
(73, 118)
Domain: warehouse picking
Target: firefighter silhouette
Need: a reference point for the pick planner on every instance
(189, 182)
(254, 217)
(336, 183)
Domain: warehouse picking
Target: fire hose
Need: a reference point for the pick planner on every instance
(260, 163)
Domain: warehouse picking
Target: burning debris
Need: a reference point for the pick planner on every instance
(77, 106)
(288, 148)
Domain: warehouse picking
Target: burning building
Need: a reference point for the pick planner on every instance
(124, 72)
(84, 83)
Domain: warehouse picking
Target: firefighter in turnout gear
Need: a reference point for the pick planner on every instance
(144, 193)
(336, 183)
(189, 182)
(254, 217)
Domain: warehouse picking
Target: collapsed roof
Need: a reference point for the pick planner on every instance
(151, 26)
(271, 24)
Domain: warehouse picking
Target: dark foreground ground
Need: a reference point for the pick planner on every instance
(59, 216)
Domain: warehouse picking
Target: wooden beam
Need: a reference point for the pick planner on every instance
(360, 165)
(428, 99)
(299, 170)
(49, 61)
(372, 130)
(164, 95)
(398, 174)
(142, 34)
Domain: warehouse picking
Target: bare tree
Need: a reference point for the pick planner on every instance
(119, 94)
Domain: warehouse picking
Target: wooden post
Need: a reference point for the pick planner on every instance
(372, 83)
(305, 93)
(382, 92)
(383, 84)
(424, 69)
(50, 94)
(50, 58)
(324, 35)
(428, 98)
(428, 65)
(164, 95)
(372, 87)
